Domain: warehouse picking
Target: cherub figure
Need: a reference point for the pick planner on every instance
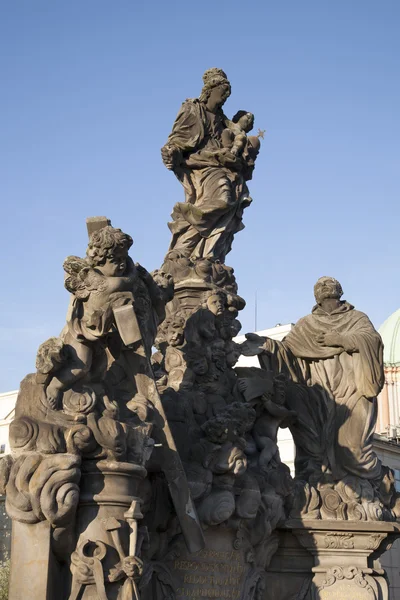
(244, 122)
(110, 294)
(266, 394)
(179, 376)
(201, 325)
(233, 137)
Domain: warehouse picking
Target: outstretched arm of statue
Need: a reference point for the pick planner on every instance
(254, 345)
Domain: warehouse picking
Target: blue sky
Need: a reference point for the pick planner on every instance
(90, 89)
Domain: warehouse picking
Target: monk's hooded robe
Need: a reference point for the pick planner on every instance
(334, 391)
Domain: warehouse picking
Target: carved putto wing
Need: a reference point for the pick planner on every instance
(81, 279)
(73, 266)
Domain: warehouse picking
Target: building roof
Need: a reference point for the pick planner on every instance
(7, 404)
(390, 332)
(276, 333)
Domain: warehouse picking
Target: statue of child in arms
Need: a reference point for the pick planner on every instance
(243, 123)
(233, 139)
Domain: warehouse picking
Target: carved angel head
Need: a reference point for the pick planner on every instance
(216, 302)
(108, 251)
(175, 332)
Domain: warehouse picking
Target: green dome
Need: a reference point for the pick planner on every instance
(390, 332)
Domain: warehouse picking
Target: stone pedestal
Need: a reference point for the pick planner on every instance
(98, 541)
(289, 574)
(331, 560)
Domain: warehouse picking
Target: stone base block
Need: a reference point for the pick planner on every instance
(34, 571)
(331, 560)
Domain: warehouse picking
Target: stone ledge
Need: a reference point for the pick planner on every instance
(337, 525)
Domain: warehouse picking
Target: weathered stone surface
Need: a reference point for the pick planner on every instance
(158, 476)
(213, 157)
(289, 574)
(81, 435)
(346, 558)
(31, 551)
(332, 366)
(5, 531)
(224, 420)
(330, 560)
(218, 571)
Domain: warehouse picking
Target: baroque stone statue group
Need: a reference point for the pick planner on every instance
(145, 463)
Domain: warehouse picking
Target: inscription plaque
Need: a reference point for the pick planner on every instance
(217, 571)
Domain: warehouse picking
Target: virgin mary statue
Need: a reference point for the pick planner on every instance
(200, 152)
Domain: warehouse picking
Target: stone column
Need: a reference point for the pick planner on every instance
(35, 570)
(383, 411)
(108, 489)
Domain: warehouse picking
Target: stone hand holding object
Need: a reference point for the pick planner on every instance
(170, 156)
